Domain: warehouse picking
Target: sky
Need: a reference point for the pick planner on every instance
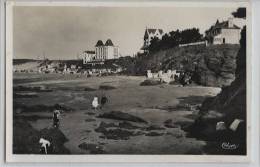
(65, 32)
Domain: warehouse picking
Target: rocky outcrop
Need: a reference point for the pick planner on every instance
(209, 65)
(26, 139)
(229, 105)
(231, 101)
(118, 115)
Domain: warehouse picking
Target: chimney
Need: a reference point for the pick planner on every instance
(230, 22)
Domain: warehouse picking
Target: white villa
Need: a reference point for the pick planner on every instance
(149, 34)
(225, 32)
(102, 52)
(88, 56)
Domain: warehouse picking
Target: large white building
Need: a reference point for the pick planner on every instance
(102, 52)
(149, 34)
(106, 51)
(225, 32)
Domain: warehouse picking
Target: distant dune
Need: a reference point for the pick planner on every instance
(31, 64)
(26, 64)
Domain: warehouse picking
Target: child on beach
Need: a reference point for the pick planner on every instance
(55, 118)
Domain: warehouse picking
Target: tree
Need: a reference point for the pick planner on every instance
(154, 44)
(174, 38)
(240, 13)
(190, 35)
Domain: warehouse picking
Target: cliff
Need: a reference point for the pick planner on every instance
(231, 101)
(210, 65)
(228, 105)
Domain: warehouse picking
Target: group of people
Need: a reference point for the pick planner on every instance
(95, 105)
(103, 101)
(184, 78)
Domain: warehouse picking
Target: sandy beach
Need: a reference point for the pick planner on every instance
(89, 133)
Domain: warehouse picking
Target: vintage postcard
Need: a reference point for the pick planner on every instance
(128, 81)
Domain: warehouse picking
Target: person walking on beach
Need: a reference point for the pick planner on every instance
(55, 118)
(95, 103)
(45, 145)
(103, 101)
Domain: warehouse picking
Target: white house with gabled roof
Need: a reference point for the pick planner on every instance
(225, 32)
(149, 34)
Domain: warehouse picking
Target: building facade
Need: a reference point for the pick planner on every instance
(87, 56)
(225, 32)
(149, 34)
(106, 51)
(102, 52)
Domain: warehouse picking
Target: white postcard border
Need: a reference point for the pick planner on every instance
(10, 157)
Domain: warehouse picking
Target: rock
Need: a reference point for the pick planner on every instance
(32, 117)
(115, 134)
(229, 105)
(211, 65)
(26, 139)
(150, 82)
(40, 108)
(113, 131)
(235, 124)
(89, 120)
(106, 87)
(57, 138)
(177, 135)
(220, 126)
(153, 134)
(154, 127)
(92, 148)
(102, 126)
(89, 89)
(212, 114)
(170, 124)
(118, 115)
(89, 113)
(127, 125)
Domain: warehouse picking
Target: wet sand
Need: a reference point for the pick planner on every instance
(154, 104)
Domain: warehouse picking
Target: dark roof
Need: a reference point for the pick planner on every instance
(152, 30)
(89, 52)
(222, 25)
(99, 43)
(109, 43)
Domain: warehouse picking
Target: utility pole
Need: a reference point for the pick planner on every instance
(43, 54)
